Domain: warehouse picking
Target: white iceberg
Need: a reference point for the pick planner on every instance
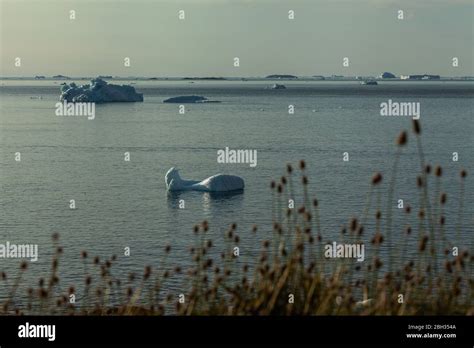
(99, 91)
(278, 86)
(215, 183)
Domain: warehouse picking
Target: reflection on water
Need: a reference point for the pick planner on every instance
(210, 200)
(215, 200)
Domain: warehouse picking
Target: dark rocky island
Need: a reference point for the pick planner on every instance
(189, 99)
(281, 77)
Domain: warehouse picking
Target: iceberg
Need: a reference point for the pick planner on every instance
(215, 183)
(189, 99)
(277, 86)
(99, 91)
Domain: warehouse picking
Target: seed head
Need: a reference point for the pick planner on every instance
(419, 181)
(443, 198)
(353, 224)
(147, 272)
(377, 239)
(416, 127)
(377, 263)
(423, 243)
(376, 179)
(421, 214)
(402, 138)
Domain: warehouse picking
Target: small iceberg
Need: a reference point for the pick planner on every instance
(215, 183)
(369, 83)
(278, 86)
(99, 91)
(189, 99)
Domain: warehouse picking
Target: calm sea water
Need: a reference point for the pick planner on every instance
(120, 204)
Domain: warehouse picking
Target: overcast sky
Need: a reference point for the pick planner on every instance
(258, 32)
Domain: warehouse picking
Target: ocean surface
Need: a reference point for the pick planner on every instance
(125, 204)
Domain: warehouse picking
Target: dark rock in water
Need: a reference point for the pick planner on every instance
(205, 78)
(281, 76)
(189, 99)
(369, 83)
(99, 91)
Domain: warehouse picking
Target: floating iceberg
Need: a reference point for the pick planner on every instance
(277, 86)
(369, 83)
(189, 99)
(215, 183)
(99, 91)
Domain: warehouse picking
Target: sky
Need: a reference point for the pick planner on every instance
(214, 32)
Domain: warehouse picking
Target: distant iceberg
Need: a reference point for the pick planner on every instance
(99, 91)
(189, 99)
(277, 86)
(215, 183)
(369, 83)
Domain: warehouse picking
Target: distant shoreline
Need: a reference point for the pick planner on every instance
(242, 79)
